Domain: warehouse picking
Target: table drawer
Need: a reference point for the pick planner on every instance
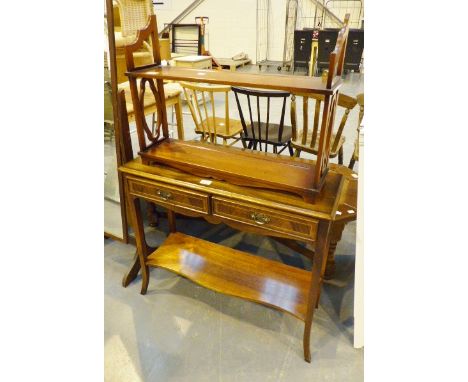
(170, 196)
(265, 218)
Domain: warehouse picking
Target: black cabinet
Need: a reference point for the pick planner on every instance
(302, 48)
(354, 49)
(326, 43)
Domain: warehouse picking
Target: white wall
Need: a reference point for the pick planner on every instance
(233, 24)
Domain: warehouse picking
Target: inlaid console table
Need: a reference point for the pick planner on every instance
(266, 212)
(290, 199)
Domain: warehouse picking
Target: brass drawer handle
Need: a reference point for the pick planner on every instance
(165, 195)
(260, 218)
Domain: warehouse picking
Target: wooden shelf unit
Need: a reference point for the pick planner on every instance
(235, 273)
(292, 84)
(237, 166)
(154, 76)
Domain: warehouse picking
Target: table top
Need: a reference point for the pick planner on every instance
(337, 201)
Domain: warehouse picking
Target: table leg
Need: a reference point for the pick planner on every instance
(321, 250)
(335, 237)
(133, 272)
(134, 210)
(171, 219)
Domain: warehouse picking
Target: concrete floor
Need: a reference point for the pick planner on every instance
(180, 331)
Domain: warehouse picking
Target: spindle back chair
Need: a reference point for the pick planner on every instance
(308, 140)
(260, 132)
(209, 126)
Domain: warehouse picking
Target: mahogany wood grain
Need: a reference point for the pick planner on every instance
(321, 251)
(237, 166)
(323, 207)
(168, 196)
(291, 84)
(235, 273)
(265, 218)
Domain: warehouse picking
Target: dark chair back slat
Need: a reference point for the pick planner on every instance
(263, 132)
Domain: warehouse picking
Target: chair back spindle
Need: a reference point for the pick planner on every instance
(260, 132)
(208, 125)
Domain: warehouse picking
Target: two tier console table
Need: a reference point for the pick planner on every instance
(290, 199)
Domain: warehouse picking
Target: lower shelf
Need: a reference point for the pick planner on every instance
(235, 273)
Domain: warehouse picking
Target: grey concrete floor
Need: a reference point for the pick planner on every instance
(180, 331)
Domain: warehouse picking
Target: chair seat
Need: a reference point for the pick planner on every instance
(121, 41)
(171, 90)
(273, 130)
(235, 127)
(297, 144)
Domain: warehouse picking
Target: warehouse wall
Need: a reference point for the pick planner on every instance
(233, 24)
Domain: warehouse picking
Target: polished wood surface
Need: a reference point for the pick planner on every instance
(292, 84)
(238, 166)
(235, 273)
(153, 75)
(265, 218)
(331, 200)
(266, 212)
(168, 196)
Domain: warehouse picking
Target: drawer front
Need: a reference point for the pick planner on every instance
(267, 219)
(170, 196)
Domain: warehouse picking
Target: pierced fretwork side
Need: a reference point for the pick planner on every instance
(146, 137)
(329, 108)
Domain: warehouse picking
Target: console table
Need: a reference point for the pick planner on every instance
(290, 199)
(260, 211)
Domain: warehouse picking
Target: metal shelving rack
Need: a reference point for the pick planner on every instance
(263, 38)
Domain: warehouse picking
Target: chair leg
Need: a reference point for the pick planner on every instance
(291, 151)
(243, 143)
(340, 155)
(152, 214)
(179, 120)
(297, 153)
(351, 163)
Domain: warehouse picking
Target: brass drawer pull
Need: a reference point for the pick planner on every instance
(165, 195)
(260, 218)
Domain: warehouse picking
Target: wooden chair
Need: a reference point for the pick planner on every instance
(355, 157)
(210, 126)
(307, 140)
(277, 135)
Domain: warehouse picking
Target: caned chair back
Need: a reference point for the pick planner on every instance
(134, 15)
(204, 115)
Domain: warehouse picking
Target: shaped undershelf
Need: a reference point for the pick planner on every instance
(235, 273)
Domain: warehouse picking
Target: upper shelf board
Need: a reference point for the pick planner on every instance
(289, 83)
